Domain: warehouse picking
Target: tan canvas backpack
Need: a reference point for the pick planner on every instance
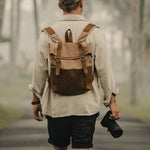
(71, 67)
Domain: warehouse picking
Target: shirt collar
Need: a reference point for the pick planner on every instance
(72, 17)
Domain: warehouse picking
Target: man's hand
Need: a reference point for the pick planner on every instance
(36, 110)
(114, 109)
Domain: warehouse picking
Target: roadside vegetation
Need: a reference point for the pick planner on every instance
(139, 110)
(11, 94)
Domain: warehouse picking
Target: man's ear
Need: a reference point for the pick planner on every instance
(81, 5)
(59, 6)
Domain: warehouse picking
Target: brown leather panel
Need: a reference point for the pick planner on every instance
(86, 32)
(83, 61)
(52, 34)
(88, 27)
(89, 78)
(58, 61)
(49, 30)
(71, 82)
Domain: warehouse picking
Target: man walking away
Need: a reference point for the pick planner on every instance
(70, 59)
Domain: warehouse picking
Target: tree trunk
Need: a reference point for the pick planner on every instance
(14, 31)
(12, 22)
(142, 49)
(36, 19)
(18, 21)
(123, 53)
(2, 6)
(135, 48)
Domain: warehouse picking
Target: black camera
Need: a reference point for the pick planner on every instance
(112, 125)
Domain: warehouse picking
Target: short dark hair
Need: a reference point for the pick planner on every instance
(69, 5)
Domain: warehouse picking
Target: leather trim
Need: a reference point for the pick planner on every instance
(71, 82)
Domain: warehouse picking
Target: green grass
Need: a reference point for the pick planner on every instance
(140, 110)
(9, 115)
(10, 96)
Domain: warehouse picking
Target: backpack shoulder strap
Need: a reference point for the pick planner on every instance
(86, 32)
(52, 34)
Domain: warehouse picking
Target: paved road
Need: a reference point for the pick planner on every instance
(28, 134)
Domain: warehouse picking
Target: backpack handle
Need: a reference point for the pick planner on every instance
(68, 36)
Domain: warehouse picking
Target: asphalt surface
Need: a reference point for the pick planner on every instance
(28, 134)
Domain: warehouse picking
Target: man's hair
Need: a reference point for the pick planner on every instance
(69, 5)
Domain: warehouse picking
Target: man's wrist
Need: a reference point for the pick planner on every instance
(114, 94)
(113, 101)
(35, 102)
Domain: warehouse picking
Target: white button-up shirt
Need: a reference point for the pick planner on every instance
(56, 105)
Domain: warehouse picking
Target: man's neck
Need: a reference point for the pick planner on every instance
(74, 12)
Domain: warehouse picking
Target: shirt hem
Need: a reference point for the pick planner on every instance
(58, 116)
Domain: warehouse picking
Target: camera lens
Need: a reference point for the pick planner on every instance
(111, 125)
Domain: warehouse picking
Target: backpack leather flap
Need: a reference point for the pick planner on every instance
(76, 64)
(70, 50)
(73, 53)
(76, 49)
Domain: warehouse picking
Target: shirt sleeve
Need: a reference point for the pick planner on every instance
(103, 67)
(40, 71)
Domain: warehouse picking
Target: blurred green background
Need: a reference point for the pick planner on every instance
(126, 24)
